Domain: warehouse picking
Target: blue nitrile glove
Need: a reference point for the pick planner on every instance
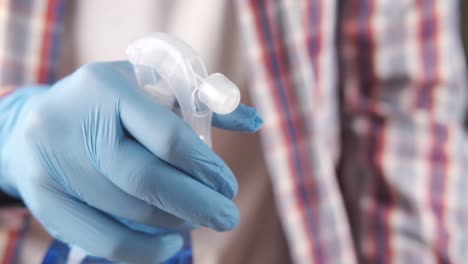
(94, 146)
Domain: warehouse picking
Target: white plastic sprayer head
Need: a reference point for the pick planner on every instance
(219, 94)
(169, 70)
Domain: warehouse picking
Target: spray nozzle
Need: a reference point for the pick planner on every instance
(170, 71)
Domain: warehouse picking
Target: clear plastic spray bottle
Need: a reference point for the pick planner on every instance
(174, 75)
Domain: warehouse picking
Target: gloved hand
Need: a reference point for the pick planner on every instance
(94, 146)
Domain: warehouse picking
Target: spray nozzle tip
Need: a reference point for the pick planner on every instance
(219, 94)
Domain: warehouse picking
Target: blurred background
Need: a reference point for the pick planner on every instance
(464, 23)
(464, 29)
(219, 44)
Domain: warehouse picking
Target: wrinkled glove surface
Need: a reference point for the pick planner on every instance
(93, 149)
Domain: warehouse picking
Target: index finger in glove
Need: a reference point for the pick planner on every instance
(243, 119)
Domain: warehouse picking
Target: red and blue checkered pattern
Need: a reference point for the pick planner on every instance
(363, 102)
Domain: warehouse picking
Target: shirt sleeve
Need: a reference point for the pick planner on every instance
(404, 149)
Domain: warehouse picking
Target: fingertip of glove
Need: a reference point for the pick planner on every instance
(174, 241)
(172, 244)
(252, 122)
(257, 123)
(230, 187)
(228, 219)
(244, 119)
(232, 223)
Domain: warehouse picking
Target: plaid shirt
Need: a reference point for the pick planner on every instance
(363, 104)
